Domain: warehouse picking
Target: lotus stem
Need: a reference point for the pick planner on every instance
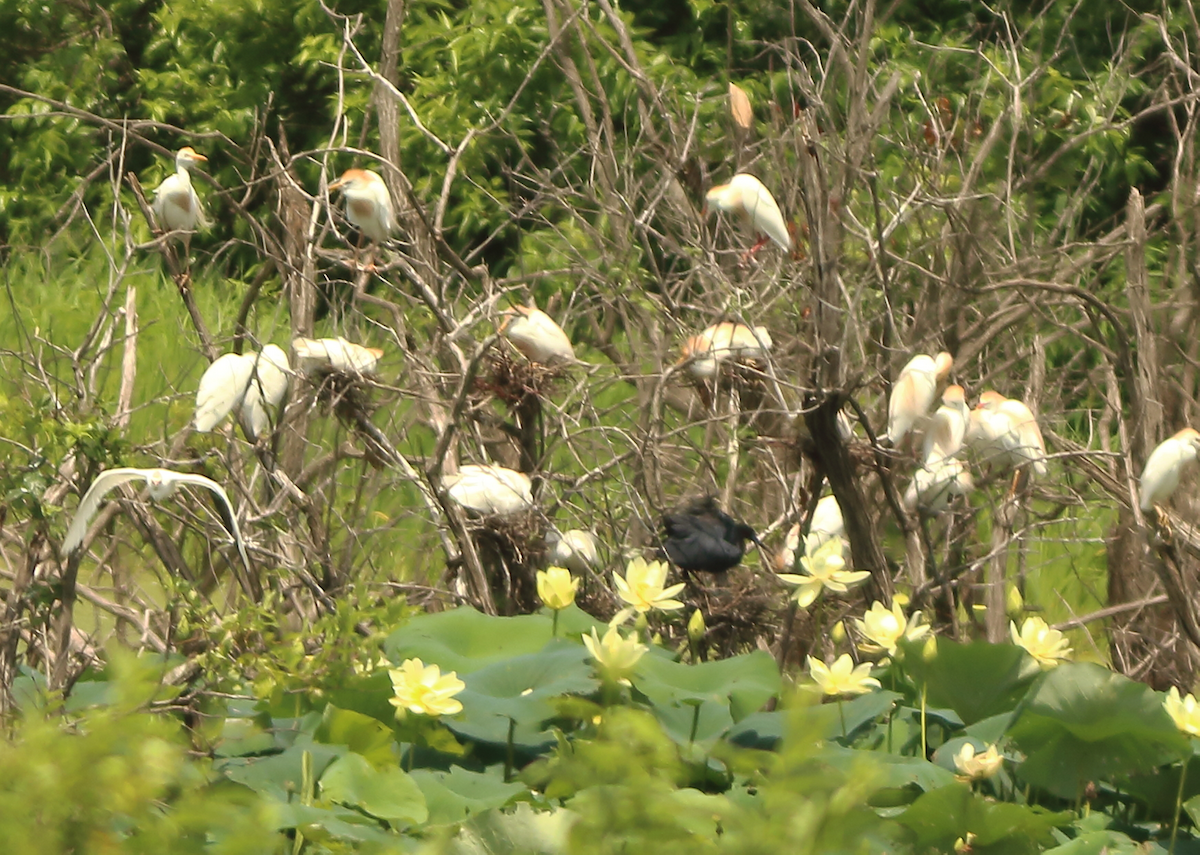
(1178, 804)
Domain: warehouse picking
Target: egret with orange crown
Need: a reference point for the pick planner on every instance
(1166, 466)
(176, 204)
(1017, 439)
(335, 354)
(944, 437)
(536, 335)
(368, 203)
(722, 342)
(746, 196)
(914, 392)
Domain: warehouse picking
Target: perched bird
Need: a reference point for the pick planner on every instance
(703, 538)
(222, 389)
(574, 549)
(268, 385)
(368, 203)
(722, 342)
(536, 335)
(248, 383)
(913, 393)
(935, 483)
(176, 204)
(944, 435)
(162, 483)
(746, 196)
(335, 354)
(1166, 465)
(489, 489)
(1005, 431)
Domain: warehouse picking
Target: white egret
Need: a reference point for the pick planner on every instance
(248, 383)
(746, 196)
(162, 483)
(268, 385)
(176, 204)
(1166, 465)
(335, 354)
(536, 335)
(944, 436)
(913, 393)
(1013, 432)
(368, 203)
(222, 389)
(721, 342)
(489, 489)
(575, 549)
(935, 483)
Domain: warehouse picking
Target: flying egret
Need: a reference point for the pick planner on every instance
(575, 549)
(1166, 465)
(703, 538)
(913, 393)
(721, 342)
(162, 483)
(536, 335)
(489, 489)
(948, 426)
(1016, 438)
(934, 483)
(368, 203)
(335, 354)
(746, 196)
(248, 383)
(176, 204)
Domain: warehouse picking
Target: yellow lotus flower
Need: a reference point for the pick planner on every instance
(643, 588)
(978, 766)
(1044, 644)
(1183, 712)
(842, 677)
(556, 587)
(822, 569)
(615, 655)
(885, 627)
(424, 689)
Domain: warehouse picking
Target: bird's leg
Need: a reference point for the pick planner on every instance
(753, 251)
(1162, 521)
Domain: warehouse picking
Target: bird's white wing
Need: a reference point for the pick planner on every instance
(222, 388)
(765, 214)
(90, 503)
(268, 384)
(272, 372)
(228, 517)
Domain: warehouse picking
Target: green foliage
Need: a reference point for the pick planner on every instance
(115, 778)
(615, 772)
